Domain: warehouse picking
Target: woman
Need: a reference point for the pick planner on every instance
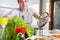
(24, 12)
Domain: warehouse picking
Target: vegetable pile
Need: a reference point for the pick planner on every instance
(13, 24)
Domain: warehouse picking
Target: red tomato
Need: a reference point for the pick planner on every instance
(20, 30)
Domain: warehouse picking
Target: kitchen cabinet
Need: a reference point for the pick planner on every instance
(54, 14)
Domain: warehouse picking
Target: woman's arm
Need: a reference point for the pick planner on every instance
(36, 15)
(9, 15)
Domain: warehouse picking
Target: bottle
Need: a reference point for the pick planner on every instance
(3, 23)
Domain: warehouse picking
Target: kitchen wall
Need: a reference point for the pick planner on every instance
(9, 3)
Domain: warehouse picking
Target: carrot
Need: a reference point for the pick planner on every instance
(42, 38)
(56, 36)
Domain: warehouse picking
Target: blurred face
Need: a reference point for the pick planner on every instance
(23, 4)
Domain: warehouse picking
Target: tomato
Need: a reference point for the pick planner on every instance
(20, 30)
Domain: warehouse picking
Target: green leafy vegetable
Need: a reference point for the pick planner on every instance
(37, 39)
(13, 24)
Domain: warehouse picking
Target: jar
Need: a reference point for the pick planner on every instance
(3, 23)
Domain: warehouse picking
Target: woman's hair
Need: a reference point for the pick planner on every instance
(18, 0)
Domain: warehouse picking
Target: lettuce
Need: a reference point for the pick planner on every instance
(13, 24)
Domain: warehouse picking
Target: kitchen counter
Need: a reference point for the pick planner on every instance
(47, 35)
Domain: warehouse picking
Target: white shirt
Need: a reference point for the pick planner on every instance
(27, 16)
